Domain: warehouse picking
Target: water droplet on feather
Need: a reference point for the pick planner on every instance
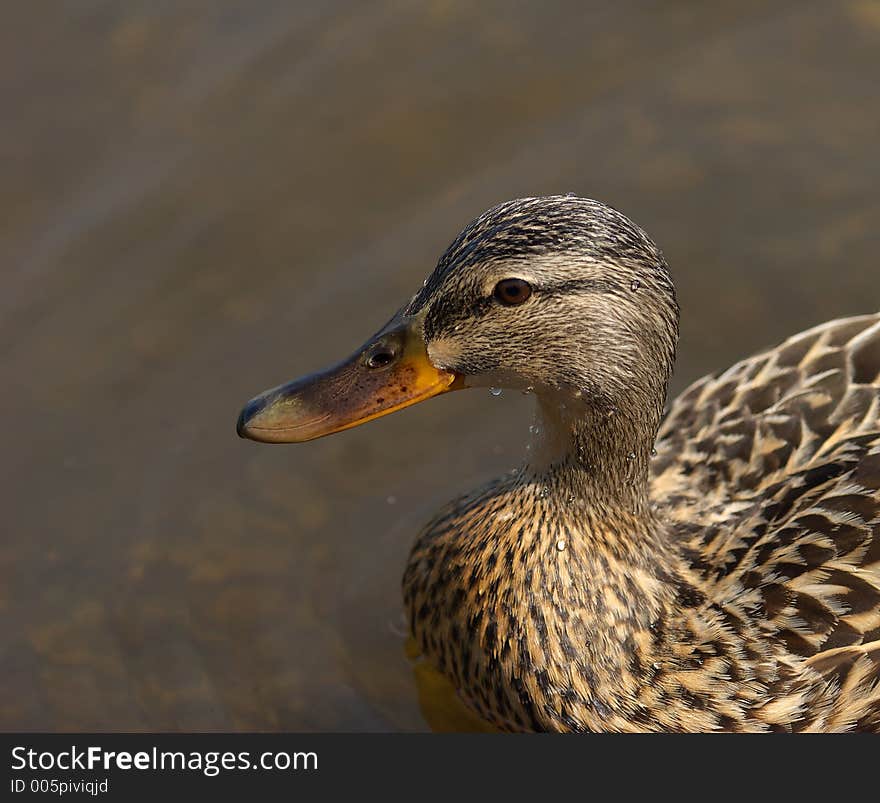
(601, 709)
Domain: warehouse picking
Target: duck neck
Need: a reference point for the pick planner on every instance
(595, 453)
(590, 463)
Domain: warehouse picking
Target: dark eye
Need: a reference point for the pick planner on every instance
(512, 292)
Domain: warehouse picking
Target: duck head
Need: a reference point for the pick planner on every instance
(560, 295)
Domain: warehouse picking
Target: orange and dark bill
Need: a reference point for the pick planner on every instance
(390, 372)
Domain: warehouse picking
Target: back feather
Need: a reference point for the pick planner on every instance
(770, 475)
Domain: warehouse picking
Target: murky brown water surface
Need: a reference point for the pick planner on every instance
(203, 199)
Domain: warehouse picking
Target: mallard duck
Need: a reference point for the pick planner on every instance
(716, 569)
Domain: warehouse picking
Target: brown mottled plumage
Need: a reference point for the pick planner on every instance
(722, 574)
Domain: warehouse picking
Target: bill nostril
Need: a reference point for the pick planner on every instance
(380, 358)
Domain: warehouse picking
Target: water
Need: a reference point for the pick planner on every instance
(198, 206)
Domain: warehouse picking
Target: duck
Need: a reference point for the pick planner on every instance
(708, 565)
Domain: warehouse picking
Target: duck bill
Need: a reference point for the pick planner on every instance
(391, 371)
